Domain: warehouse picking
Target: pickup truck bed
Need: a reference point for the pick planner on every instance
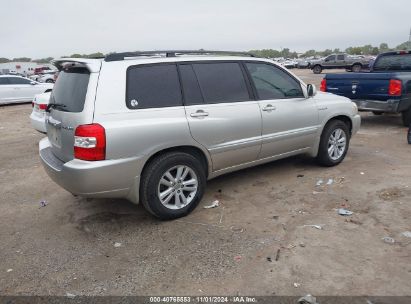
(377, 91)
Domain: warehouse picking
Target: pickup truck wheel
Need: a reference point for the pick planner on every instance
(356, 68)
(406, 117)
(334, 143)
(317, 69)
(172, 185)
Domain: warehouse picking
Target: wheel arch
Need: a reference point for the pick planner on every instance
(342, 117)
(193, 150)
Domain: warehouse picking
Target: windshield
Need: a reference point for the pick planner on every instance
(70, 89)
(400, 62)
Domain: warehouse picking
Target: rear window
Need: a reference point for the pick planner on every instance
(70, 89)
(153, 86)
(393, 63)
(221, 82)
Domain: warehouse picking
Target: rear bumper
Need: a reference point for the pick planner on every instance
(390, 105)
(38, 122)
(102, 179)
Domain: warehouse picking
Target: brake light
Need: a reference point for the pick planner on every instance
(395, 87)
(32, 104)
(42, 106)
(90, 142)
(323, 86)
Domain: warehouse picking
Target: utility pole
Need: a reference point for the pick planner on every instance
(409, 41)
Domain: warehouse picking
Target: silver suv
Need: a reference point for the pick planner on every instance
(154, 127)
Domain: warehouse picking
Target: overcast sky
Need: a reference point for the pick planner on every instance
(43, 28)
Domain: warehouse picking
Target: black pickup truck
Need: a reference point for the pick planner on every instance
(386, 88)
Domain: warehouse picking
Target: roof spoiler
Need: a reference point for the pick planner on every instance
(93, 65)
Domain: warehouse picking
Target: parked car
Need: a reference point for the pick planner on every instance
(385, 89)
(155, 129)
(47, 77)
(20, 89)
(339, 61)
(38, 115)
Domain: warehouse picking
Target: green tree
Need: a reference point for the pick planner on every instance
(4, 60)
(22, 59)
(384, 47)
(43, 60)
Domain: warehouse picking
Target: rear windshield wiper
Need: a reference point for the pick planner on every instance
(59, 106)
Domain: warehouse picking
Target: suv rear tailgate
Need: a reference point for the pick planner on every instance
(372, 86)
(71, 103)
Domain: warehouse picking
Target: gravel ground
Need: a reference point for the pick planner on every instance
(254, 243)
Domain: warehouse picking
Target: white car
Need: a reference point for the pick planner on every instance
(48, 77)
(20, 89)
(38, 115)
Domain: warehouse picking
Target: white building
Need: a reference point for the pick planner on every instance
(24, 68)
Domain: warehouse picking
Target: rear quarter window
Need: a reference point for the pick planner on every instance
(153, 86)
(70, 89)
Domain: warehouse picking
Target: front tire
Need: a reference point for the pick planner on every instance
(406, 117)
(334, 143)
(172, 185)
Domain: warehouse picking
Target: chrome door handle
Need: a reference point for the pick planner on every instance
(199, 113)
(269, 108)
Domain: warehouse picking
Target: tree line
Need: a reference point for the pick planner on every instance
(367, 49)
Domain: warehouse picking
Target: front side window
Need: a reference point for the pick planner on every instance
(221, 82)
(153, 86)
(273, 83)
(18, 80)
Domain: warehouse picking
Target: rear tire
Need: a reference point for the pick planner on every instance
(356, 68)
(317, 69)
(163, 190)
(334, 143)
(406, 117)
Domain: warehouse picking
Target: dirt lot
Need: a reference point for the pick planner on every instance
(68, 245)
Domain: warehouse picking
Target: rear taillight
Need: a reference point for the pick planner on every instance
(90, 142)
(323, 86)
(32, 104)
(395, 87)
(42, 106)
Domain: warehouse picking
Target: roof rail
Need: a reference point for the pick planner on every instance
(171, 53)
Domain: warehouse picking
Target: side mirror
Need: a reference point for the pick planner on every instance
(311, 90)
(33, 83)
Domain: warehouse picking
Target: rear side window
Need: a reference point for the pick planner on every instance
(18, 80)
(4, 80)
(154, 86)
(70, 89)
(273, 83)
(340, 57)
(393, 62)
(221, 82)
